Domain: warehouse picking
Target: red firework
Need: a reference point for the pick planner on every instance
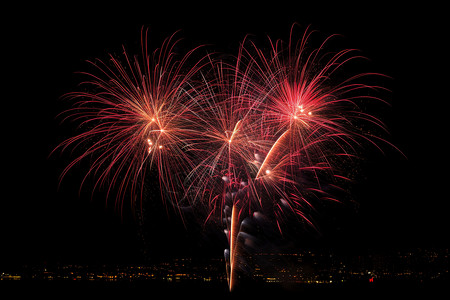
(136, 115)
(277, 127)
(311, 113)
(260, 136)
(268, 128)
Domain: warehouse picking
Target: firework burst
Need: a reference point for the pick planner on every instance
(273, 120)
(135, 116)
(310, 110)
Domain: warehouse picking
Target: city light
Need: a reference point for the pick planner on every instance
(308, 267)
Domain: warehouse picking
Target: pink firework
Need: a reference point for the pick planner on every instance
(275, 119)
(136, 116)
(278, 126)
(311, 108)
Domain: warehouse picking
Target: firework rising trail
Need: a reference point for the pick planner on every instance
(224, 175)
(135, 116)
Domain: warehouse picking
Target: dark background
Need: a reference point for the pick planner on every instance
(402, 201)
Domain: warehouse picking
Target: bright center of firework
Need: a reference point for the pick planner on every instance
(267, 172)
(235, 130)
(151, 145)
(300, 112)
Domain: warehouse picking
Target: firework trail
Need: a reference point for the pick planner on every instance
(136, 116)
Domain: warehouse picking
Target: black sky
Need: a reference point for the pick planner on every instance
(402, 202)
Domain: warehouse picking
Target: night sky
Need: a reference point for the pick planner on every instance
(402, 201)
